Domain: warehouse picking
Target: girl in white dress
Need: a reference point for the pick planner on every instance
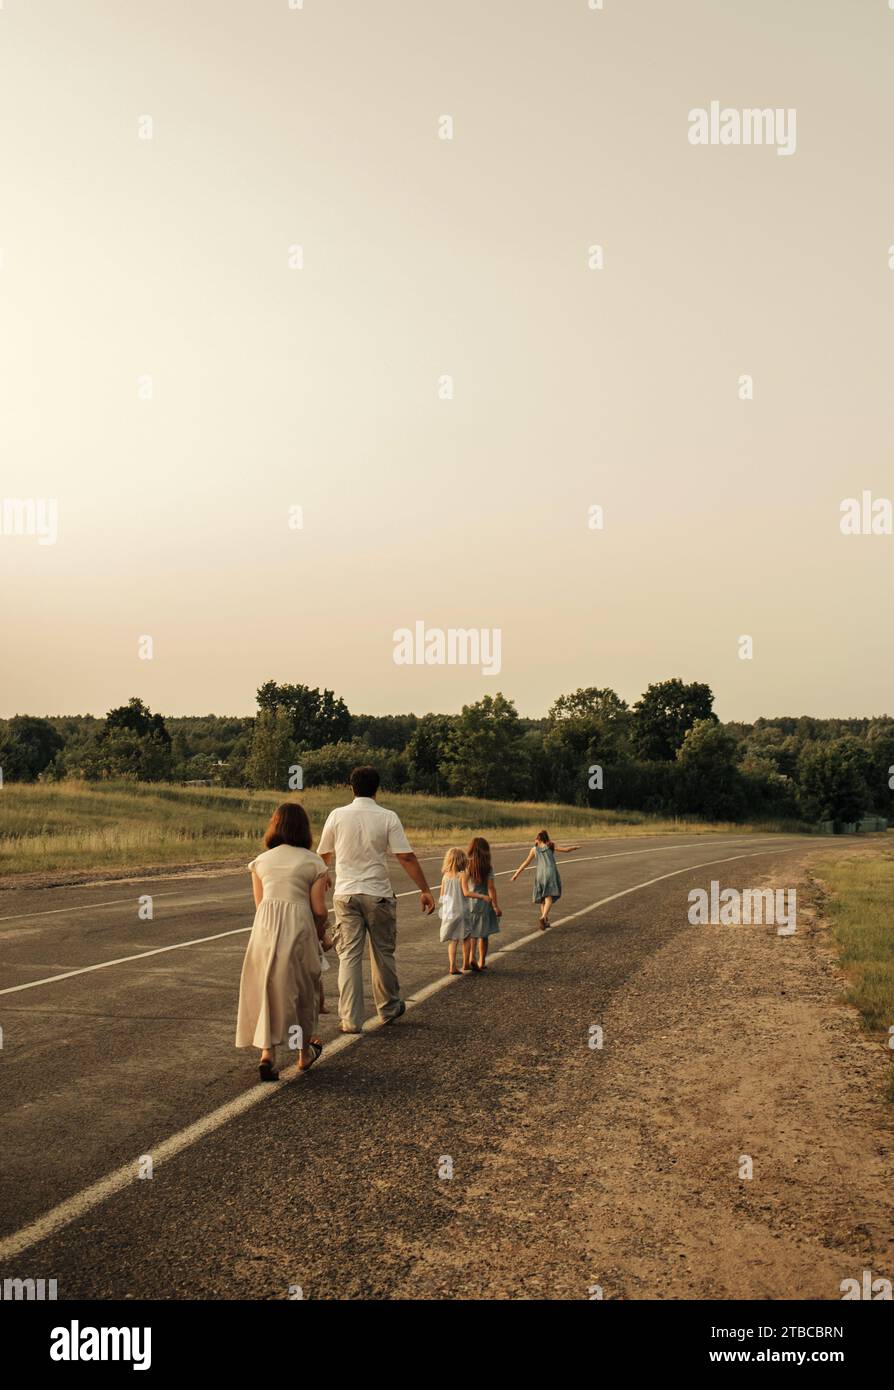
(279, 990)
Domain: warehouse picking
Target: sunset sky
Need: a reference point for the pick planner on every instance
(168, 258)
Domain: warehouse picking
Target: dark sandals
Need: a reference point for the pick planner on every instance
(268, 1072)
(316, 1048)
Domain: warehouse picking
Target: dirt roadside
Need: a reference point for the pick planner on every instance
(709, 1055)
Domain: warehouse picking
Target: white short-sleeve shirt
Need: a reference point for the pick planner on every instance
(362, 836)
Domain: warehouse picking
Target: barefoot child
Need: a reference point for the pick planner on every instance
(547, 883)
(484, 910)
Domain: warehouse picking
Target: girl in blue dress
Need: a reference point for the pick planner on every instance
(547, 883)
(484, 910)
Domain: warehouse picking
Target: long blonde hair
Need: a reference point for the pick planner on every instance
(454, 862)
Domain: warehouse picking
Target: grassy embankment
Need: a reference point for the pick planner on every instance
(861, 910)
(124, 826)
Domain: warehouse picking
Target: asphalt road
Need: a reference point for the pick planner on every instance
(328, 1182)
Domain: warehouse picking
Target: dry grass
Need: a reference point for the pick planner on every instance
(861, 910)
(128, 826)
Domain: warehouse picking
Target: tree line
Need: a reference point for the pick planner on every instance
(667, 754)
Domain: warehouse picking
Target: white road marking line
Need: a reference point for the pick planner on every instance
(81, 907)
(82, 1202)
(122, 960)
(236, 931)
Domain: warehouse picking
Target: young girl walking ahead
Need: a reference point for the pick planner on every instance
(547, 883)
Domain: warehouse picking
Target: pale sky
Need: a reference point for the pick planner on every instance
(125, 258)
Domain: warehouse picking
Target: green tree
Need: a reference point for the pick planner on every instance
(772, 745)
(27, 747)
(384, 730)
(588, 727)
(273, 750)
(665, 713)
(833, 779)
(711, 783)
(235, 760)
(137, 757)
(137, 718)
(483, 755)
(317, 716)
(426, 751)
(591, 721)
(332, 765)
(80, 755)
(880, 767)
(538, 778)
(132, 743)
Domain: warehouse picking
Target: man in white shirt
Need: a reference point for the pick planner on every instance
(361, 836)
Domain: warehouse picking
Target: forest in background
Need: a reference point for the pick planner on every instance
(667, 754)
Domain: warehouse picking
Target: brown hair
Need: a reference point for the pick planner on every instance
(543, 837)
(288, 826)
(480, 868)
(364, 781)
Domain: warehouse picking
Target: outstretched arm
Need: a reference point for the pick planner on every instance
(411, 866)
(566, 849)
(521, 868)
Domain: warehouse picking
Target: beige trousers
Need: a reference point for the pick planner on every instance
(356, 918)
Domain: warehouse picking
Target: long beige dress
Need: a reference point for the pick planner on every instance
(281, 971)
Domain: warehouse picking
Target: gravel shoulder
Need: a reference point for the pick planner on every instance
(714, 1050)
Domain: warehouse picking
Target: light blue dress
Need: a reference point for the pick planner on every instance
(547, 883)
(484, 921)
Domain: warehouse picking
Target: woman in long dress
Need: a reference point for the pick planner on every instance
(547, 882)
(279, 990)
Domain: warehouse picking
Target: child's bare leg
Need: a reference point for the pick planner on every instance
(482, 951)
(468, 948)
(451, 955)
(544, 909)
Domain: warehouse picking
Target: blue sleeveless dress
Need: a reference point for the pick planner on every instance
(547, 883)
(483, 920)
